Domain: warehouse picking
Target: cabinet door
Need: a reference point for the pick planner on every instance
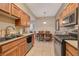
(22, 49)
(11, 52)
(71, 50)
(6, 7)
(73, 6)
(68, 54)
(23, 19)
(15, 10)
(28, 20)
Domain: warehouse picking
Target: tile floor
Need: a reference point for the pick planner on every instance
(42, 48)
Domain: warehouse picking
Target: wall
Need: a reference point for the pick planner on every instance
(6, 21)
(50, 26)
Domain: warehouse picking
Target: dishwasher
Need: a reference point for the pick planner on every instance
(29, 42)
(59, 47)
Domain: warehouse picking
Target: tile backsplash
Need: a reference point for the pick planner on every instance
(4, 22)
(70, 28)
(4, 25)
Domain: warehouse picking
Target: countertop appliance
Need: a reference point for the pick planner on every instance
(71, 19)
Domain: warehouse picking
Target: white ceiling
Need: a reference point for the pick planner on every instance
(44, 9)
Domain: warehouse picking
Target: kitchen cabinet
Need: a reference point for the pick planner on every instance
(11, 52)
(8, 46)
(24, 21)
(15, 11)
(5, 7)
(71, 50)
(70, 8)
(67, 11)
(68, 53)
(73, 6)
(22, 48)
(28, 21)
(14, 48)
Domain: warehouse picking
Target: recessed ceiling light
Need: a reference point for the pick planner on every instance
(44, 22)
(64, 22)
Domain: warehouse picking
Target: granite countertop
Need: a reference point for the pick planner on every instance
(65, 37)
(27, 34)
(74, 43)
(7, 41)
(62, 37)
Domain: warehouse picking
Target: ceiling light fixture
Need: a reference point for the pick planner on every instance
(44, 17)
(63, 22)
(44, 22)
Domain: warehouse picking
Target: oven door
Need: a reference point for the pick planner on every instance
(57, 47)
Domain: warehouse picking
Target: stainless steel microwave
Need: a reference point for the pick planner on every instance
(71, 19)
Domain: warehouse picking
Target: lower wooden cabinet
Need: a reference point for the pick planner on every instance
(68, 53)
(18, 47)
(11, 52)
(15, 48)
(22, 49)
(70, 50)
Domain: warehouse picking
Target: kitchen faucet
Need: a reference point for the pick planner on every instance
(6, 30)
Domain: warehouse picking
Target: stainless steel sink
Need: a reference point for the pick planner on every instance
(2, 39)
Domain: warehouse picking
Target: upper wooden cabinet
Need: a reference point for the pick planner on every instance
(15, 10)
(28, 21)
(24, 21)
(11, 52)
(73, 6)
(69, 9)
(15, 48)
(23, 18)
(11, 9)
(6, 7)
(22, 48)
